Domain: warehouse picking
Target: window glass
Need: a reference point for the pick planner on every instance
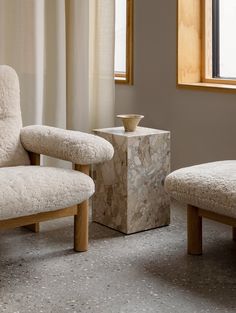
(120, 36)
(227, 38)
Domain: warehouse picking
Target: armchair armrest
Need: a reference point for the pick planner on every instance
(77, 147)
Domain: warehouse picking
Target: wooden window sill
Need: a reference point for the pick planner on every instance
(122, 82)
(209, 87)
(123, 79)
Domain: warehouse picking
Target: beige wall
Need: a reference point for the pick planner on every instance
(202, 124)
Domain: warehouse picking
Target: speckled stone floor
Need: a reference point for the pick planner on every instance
(145, 272)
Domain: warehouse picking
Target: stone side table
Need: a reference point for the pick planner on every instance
(129, 195)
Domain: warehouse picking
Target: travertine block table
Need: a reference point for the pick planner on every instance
(129, 195)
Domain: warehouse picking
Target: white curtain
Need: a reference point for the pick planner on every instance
(63, 52)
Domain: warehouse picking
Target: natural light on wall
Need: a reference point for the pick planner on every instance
(120, 37)
(227, 42)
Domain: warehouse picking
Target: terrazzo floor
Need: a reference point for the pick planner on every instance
(144, 272)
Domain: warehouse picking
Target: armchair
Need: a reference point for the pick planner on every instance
(30, 193)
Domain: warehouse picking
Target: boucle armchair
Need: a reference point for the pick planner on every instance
(209, 190)
(30, 193)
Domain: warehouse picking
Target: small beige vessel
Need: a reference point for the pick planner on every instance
(130, 121)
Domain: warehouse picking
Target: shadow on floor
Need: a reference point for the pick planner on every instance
(212, 275)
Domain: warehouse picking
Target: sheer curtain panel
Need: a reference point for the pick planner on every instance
(63, 52)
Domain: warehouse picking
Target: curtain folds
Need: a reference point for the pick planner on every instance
(63, 52)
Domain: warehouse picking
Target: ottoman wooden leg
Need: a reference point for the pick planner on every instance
(194, 231)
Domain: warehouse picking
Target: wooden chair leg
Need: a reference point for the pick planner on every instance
(34, 160)
(81, 225)
(81, 220)
(234, 233)
(194, 231)
(33, 227)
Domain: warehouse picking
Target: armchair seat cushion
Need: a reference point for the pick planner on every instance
(209, 186)
(26, 190)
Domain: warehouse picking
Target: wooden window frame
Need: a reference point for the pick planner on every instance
(127, 77)
(194, 47)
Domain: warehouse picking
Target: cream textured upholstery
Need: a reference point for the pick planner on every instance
(74, 146)
(209, 186)
(11, 151)
(26, 190)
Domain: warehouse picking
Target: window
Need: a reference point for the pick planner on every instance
(206, 48)
(224, 43)
(124, 41)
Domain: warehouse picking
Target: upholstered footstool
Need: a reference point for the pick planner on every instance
(209, 190)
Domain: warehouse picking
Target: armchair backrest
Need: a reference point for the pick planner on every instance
(12, 152)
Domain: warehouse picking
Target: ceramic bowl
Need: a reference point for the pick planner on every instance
(130, 121)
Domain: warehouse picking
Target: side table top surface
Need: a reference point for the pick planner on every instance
(140, 131)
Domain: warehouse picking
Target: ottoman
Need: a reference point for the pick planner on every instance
(209, 190)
